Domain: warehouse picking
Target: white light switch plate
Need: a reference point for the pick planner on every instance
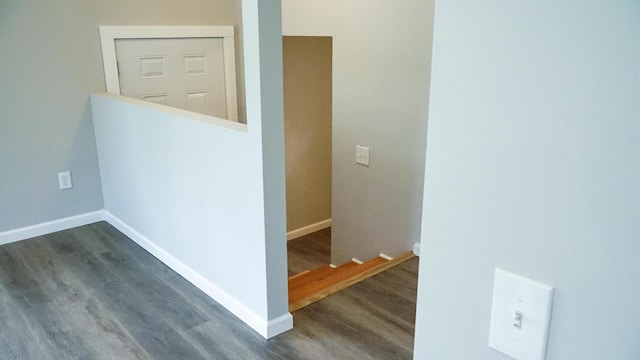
(362, 155)
(520, 316)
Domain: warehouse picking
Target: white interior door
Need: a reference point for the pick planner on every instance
(186, 73)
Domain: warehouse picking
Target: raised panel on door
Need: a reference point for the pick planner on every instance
(186, 73)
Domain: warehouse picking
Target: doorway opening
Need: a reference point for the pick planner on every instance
(308, 86)
(307, 71)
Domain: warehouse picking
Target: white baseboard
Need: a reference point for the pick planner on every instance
(306, 230)
(279, 325)
(416, 249)
(264, 327)
(49, 227)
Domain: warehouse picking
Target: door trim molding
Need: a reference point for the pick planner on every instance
(109, 35)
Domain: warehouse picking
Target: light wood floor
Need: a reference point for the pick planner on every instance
(312, 279)
(91, 293)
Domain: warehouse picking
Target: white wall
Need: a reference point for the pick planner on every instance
(204, 195)
(381, 58)
(532, 166)
(191, 192)
(262, 21)
(51, 62)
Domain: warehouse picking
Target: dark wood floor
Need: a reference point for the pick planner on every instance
(91, 293)
(309, 252)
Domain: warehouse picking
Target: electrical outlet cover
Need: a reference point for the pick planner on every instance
(64, 180)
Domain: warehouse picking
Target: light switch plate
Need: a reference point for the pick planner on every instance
(520, 316)
(362, 155)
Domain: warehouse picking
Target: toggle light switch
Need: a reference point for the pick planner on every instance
(517, 319)
(520, 316)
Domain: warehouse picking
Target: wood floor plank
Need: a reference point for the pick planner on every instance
(75, 305)
(309, 275)
(149, 311)
(309, 252)
(92, 293)
(313, 283)
(298, 275)
(317, 275)
(303, 294)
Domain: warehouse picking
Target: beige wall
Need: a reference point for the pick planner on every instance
(307, 104)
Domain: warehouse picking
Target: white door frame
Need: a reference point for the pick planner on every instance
(109, 35)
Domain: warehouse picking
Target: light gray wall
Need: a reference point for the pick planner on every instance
(264, 84)
(51, 61)
(207, 196)
(381, 62)
(533, 166)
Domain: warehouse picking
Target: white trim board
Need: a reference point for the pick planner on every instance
(109, 35)
(306, 230)
(49, 227)
(416, 249)
(266, 328)
(177, 112)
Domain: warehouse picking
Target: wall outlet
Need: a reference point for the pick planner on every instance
(64, 180)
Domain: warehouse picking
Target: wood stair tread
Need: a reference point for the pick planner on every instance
(309, 274)
(318, 274)
(293, 277)
(322, 282)
(341, 273)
